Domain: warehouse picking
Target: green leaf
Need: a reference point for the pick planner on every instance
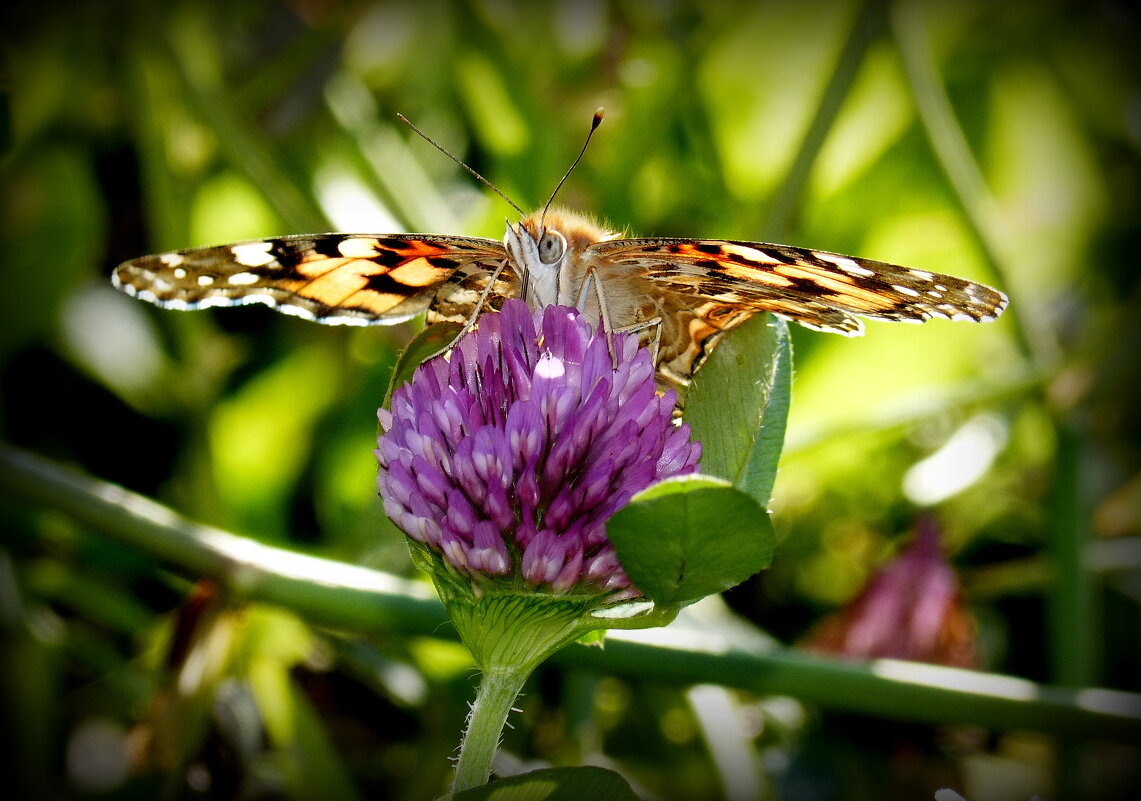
(428, 343)
(691, 536)
(738, 405)
(311, 765)
(554, 784)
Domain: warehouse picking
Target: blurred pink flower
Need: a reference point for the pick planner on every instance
(911, 609)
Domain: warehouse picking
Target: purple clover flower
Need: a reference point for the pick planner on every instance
(508, 457)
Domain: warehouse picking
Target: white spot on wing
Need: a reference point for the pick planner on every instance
(751, 254)
(905, 290)
(242, 279)
(341, 319)
(172, 259)
(179, 273)
(850, 266)
(254, 254)
(212, 301)
(295, 311)
(357, 248)
(205, 280)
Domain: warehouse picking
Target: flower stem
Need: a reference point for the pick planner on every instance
(509, 634)
(498, 689)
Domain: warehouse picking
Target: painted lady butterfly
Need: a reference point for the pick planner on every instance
(693, 290)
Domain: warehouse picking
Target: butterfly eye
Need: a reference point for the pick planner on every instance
(552, 247)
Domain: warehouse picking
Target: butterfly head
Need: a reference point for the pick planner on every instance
(538, 253)
(548, 249)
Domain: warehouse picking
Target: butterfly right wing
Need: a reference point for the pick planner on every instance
(348, 279)
(703, 288)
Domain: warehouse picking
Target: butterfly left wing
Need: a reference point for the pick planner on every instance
(353, 279)
(703, 288)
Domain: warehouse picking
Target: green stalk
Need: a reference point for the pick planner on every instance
(780, 220)
(326, 591)
(1071, 611)
(1074, 649)
(509, 633)
(349, 597)
(192, 51)
(953, 153)
(498, 690)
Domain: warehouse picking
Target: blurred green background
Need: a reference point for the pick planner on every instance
(997, 142)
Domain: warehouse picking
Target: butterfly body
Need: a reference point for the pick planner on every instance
(698, 289)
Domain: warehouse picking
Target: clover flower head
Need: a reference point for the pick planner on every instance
(508, 456)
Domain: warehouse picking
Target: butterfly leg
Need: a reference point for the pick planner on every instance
(607, 325)
(655, 341)
(478, 310)
(603, 309)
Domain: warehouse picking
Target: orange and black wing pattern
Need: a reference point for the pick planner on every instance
(825, 291)
(348, 279)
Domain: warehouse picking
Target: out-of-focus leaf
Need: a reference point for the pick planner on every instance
(52, 228)
(229, 209)
(261, 435)
(311, 765)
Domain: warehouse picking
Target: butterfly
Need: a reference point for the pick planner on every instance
(695, 289)
(689, 292)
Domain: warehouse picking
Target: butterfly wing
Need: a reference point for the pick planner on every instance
(353, 279)
(702, 288)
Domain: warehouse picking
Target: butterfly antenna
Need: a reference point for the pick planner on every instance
(478, 177)
(594, 123)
